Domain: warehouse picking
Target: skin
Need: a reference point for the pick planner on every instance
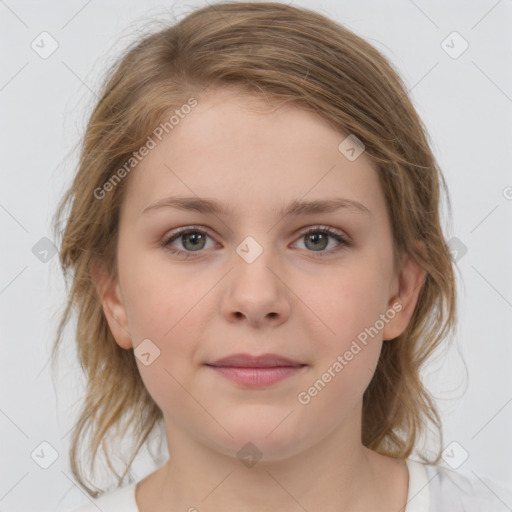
(257, 157)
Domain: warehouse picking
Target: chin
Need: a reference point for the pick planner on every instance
(267, 439)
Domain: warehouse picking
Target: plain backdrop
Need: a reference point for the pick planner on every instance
(461, 85)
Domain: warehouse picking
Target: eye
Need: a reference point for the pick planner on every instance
(317, 239)
(193, 240)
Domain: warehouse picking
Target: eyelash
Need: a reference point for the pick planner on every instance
(192, 229)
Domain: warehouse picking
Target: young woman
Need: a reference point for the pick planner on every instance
(258, 268)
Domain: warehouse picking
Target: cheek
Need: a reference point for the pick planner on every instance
(348, 346)
(348, 340)
(164, 316)
(159, 297)
(334, 394)
(170, 316)
(348, 302)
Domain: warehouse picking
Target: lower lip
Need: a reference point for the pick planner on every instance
(257, 377)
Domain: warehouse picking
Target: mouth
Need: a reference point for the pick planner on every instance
(256, 371)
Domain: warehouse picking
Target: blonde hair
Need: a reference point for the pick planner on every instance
(290, 54)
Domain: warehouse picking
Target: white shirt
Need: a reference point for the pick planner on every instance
(431, 489)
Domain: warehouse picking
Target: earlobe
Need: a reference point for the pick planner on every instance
(404, 300)
(109, 293)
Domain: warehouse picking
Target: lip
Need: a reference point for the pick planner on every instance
(250, 361)
(256, 371)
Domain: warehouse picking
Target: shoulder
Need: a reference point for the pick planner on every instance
(460, 490)
(119, 500)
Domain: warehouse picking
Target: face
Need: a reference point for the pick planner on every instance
(252, 279)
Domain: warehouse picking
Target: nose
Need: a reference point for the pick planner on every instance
(256, 292)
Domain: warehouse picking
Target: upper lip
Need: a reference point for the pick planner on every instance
(250, 361)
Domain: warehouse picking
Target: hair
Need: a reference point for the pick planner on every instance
(288, 54)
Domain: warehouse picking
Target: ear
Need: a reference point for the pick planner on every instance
(407, 288)
(109, 292)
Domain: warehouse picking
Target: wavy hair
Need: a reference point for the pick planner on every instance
(290, 54)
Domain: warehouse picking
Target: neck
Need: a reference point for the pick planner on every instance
(331, 476)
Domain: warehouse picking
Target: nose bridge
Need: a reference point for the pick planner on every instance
(255, 257)
(255, 289)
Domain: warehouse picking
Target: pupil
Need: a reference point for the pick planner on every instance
(194, 237)
(318, 237)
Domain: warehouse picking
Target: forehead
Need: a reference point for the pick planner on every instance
(252, 155)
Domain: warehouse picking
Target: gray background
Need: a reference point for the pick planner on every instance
(466, 103)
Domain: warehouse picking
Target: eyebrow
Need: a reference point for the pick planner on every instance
(296, 207)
